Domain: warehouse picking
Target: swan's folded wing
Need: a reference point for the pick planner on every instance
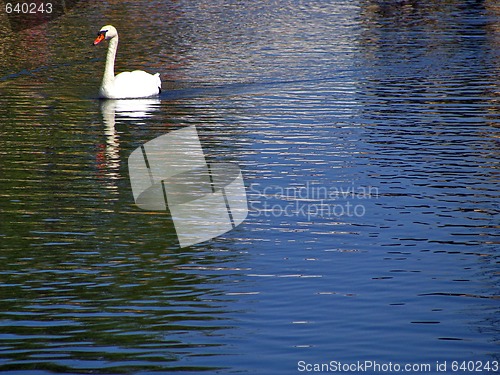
(137, 84)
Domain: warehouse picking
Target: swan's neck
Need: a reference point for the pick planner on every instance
(109, 70)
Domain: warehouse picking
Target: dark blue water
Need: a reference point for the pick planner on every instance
(366, 133)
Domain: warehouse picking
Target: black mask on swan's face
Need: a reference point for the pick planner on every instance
(106, 33)
(101, 35)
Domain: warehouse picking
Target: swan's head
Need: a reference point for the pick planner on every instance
(107, 32)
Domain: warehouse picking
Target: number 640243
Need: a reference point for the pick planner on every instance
(28, 8)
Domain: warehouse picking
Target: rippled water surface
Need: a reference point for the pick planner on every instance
(367, 135)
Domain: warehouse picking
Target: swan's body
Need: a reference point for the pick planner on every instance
(126, 85)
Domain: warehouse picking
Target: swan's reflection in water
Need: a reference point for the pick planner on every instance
(132, 110)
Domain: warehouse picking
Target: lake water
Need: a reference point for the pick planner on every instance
(367, 136)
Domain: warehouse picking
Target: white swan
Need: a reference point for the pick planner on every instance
(126, 85)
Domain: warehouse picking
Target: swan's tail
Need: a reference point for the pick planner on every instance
(157, 76)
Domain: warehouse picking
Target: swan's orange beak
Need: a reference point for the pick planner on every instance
(99, 39)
